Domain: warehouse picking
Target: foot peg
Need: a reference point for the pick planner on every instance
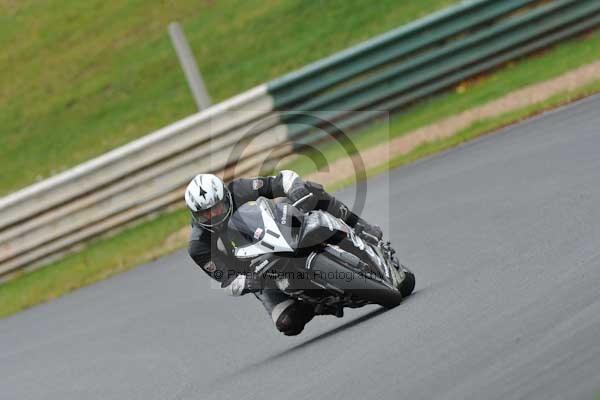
(321, 309)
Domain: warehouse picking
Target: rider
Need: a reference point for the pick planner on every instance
(211, 203)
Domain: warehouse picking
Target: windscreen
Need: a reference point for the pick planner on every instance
(246, 225)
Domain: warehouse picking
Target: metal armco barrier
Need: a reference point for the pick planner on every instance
(380, 75)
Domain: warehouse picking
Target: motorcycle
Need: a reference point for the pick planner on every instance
(317, 258)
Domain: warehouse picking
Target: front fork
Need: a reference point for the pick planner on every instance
(397, 271)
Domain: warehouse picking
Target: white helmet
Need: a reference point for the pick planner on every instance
(209, 200)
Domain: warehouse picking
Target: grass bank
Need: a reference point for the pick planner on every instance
(79, 78)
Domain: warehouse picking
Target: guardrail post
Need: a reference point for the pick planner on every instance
(189, 66)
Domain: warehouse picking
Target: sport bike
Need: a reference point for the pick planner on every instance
(317, 258)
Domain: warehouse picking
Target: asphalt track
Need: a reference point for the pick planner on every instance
(504, 237)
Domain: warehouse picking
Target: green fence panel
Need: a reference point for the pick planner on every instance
(302, 134)
(385, 49)
(437, 67)
(460, 52)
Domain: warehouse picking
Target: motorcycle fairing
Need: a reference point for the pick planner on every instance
(256, 232)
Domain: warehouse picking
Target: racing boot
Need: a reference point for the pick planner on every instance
(290, 318)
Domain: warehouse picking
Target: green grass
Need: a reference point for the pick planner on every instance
(477, 91)
(78, 78)
(108, 256)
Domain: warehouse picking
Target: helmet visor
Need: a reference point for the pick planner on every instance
(214, 215)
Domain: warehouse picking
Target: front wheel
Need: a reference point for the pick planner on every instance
(408, 283)
(379, 294)
(340, 275)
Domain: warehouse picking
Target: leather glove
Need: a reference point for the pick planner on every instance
(256, 283)
(371, 233)
(302, 198)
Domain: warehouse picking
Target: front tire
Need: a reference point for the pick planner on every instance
(408, 283)
(384, 296)
(336, 270)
